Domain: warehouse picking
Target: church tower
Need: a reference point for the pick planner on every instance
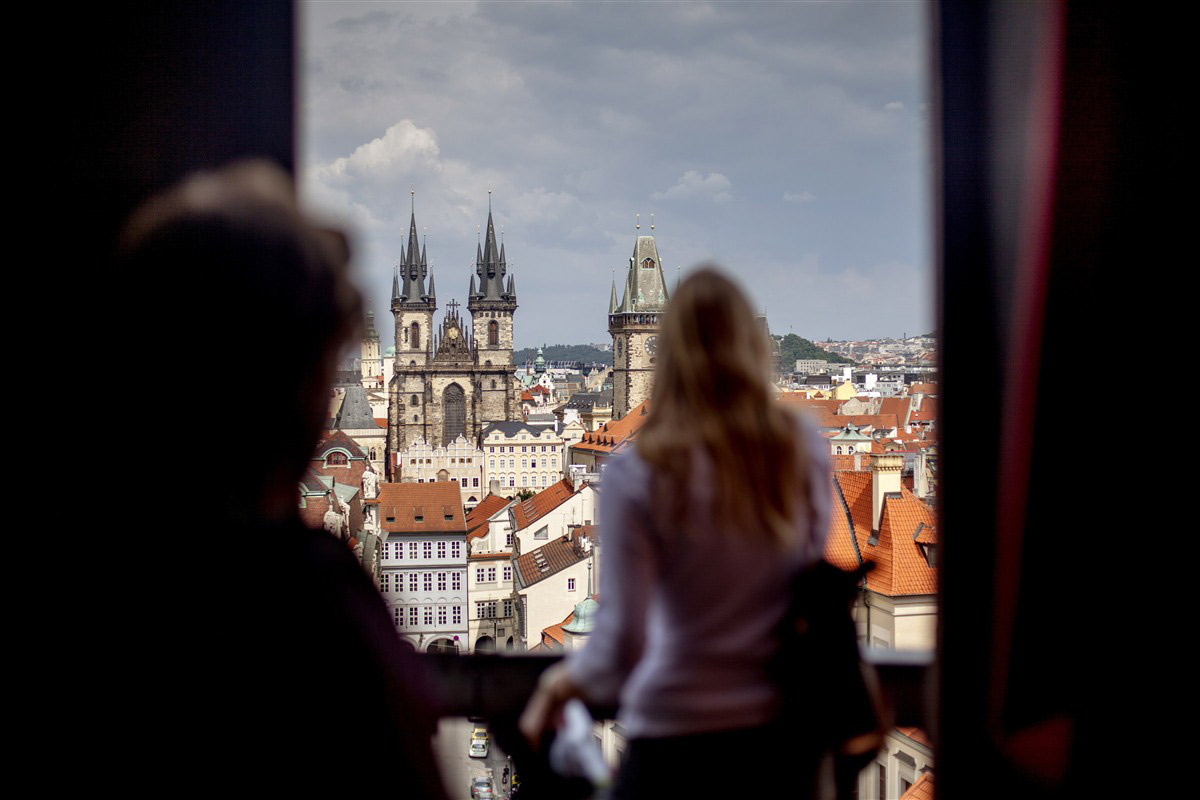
(633, 324)
(492, 302)
(413, 307)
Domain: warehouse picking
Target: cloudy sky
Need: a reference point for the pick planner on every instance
(786, 141)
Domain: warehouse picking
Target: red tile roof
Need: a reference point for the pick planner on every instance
(380, 422)
(529, 511)
(907, 523)
(555, 632)
(926, 413)
(477, 519)
(917, 735)
(923, 388)
(921, 790)
(439, 505)
(556, 555)
(338, 439)
(613, 434)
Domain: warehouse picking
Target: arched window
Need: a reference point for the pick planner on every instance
(415, 338)
(414, 417)
(493, 383)
(493, 333)
(454, 412)
(336, 460)
(414, 401)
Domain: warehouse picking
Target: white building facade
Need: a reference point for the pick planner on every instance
(519, 456)
(424, 564)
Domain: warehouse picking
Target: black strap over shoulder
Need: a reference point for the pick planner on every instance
(827, 697)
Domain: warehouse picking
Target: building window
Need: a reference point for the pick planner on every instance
(570, 584)
(508, 608)
(428, 614)
(412, 582)
(479, 573)
(428, 581)
(398, 616)
(454, 412)
(441, 550)
(412, 616)
(414, 338)
(456, 549)
(456, 615)
(387, 582)
(493, 334)
(507, 573)
(412, 549)
(491, 463)
(491, 574)
(399, 551)
(475, 483)
(337, 460)
(882, 781)
(441, 581)
(428, 548)
(542, 532)
(441, 615)
(508, 539)
(512, 481)
(456, 581)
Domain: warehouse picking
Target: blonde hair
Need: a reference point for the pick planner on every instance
(712, 390)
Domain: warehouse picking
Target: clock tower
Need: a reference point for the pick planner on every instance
(633, 324)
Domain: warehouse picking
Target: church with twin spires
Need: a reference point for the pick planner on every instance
(453, 379)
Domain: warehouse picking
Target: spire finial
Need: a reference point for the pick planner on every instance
(412, 191)
(638, 224)
(652, 221)
(489, 198)
(477, 234)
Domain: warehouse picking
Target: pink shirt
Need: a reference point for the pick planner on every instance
(687, 617)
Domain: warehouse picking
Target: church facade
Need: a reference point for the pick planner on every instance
(451, 380)
(633, 324)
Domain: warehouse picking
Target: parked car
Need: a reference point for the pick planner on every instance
(479, 746)
(481, 788)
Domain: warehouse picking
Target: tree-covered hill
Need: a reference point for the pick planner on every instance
(793, 347)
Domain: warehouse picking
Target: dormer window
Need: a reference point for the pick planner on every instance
(337, 460)
(648, 263)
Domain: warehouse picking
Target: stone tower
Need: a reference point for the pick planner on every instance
(492, 303)
(370, 359)
(413, 308)
(633, 324)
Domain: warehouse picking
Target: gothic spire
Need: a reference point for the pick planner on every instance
(471, 291)
(612, 301)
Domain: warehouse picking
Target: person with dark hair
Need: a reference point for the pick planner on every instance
(704, 522)
(260, 654)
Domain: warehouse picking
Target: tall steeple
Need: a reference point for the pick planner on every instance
(491, 266)
(413, 268)
(645, 289)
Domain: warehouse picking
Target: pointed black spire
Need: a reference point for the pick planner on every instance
(432, 291)
(396, 282)
(471, 291)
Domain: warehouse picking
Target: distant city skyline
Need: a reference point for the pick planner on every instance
(788, 142)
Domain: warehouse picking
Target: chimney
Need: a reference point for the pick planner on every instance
(885, 480)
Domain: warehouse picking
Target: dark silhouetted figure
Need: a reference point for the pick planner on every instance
(254, 653)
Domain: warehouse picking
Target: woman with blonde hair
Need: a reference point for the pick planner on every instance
(703, 523)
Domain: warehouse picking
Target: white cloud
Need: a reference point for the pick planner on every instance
(713, 186)
(403, 148)
(798, 197)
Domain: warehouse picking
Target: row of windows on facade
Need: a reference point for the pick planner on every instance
(394, 581)
(395, 550)
(473, 481)
(430, 461)
(488, 574)
(533, 448)
(526, 480)
(418, 615)
(487, 609)
(526, 463)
